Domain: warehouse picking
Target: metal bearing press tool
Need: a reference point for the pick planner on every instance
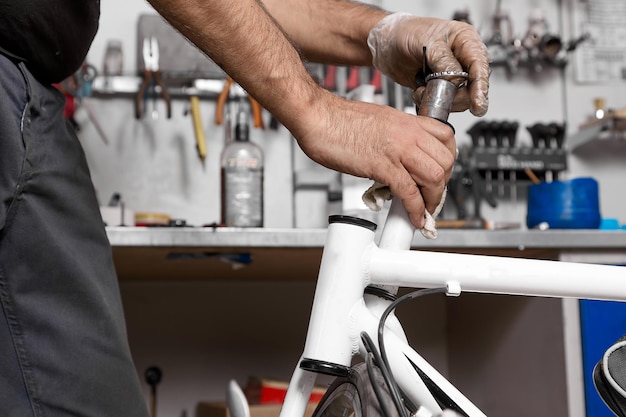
(441, 87)
(152, 79)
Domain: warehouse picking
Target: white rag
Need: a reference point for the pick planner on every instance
(375, 197)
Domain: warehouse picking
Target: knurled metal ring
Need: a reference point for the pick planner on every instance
(447, 74)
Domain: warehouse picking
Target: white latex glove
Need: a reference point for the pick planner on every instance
(397, 43)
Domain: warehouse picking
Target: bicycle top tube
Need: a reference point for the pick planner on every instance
(497, 275)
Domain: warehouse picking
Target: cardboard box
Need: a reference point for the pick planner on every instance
(219, 409)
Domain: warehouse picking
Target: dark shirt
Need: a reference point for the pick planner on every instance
(52, 37)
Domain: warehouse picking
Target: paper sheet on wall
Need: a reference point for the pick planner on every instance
(603, 57)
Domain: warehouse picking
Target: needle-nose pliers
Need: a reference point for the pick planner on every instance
(152, 78)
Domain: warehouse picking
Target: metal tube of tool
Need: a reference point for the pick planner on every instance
(437, 99)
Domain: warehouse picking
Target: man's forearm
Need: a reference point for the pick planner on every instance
(242, 38)
(328, 31)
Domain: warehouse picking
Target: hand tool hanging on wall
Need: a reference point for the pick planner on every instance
(537, 50)
(467, 182)
(152, 81)
(548, 137)
(196, 118)
(222, 99)
(76, 88)
(508, 131)
(353, 78)
(495, 149)
(479, 137)
(330, 80)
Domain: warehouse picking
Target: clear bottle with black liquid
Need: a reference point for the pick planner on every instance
(242, 177)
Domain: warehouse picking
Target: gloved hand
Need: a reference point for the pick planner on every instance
(397, 43)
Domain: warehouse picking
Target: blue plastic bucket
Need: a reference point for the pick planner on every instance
(572, 204)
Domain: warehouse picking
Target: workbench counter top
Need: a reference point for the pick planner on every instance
(194, 253)
(314, 238)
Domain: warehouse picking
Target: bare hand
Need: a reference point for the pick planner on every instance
(413, 155)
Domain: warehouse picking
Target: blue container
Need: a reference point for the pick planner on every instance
(572, 204)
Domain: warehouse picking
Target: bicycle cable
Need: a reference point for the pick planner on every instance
(377, 361)
(385, 368)
(371, 363)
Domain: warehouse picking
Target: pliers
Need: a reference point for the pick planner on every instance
(257, 113)
(152, 78)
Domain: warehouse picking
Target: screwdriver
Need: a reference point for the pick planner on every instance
(197, 127)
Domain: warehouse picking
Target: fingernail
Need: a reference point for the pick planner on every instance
(422, 221)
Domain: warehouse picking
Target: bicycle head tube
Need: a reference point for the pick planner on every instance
(441, 88)
(331, 337)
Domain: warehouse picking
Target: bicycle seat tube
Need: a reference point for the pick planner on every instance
(398, 231)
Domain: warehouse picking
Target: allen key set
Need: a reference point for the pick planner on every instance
(504, 165)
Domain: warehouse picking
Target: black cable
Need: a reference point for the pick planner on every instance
(386, 373)
(393, 386)
(369, 346)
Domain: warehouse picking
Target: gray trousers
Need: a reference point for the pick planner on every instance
(63, 343)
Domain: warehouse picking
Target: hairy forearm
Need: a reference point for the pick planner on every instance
(244, 40)
(328, 31)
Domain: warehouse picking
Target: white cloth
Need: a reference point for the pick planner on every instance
(375, 197)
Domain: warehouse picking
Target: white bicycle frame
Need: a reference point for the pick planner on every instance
(352, 260)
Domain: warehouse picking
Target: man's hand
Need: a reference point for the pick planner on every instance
(413, 155)
(397, 44)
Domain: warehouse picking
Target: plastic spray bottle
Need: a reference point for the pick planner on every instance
(242, 176)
